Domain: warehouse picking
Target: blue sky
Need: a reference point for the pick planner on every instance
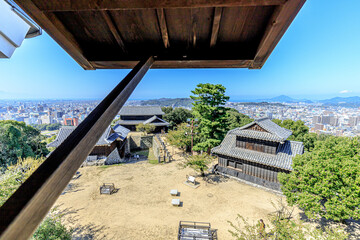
(317, 58)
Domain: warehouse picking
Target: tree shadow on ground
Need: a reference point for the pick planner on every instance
(71, 188)
(81, 232)
(352, 227)
(215, 178)
(88, 232)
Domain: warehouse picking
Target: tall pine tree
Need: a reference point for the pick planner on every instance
(209, 110)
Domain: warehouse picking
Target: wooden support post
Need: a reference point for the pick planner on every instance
(24, 210)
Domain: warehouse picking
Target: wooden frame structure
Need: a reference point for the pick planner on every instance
(24, 210)
(114, 34)
(111, 34)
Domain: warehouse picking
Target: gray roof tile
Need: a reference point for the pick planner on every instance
(160, 122)
(274, 132)
(121, 131)
(106, 138)
(286, 151)
(141, 111)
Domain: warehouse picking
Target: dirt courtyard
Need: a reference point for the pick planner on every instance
(141, 209)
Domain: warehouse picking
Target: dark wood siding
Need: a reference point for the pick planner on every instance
(257, 145)
(103, 150)
(257, 170)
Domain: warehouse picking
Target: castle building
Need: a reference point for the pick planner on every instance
(257, 152)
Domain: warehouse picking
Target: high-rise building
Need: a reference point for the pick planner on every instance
(319, 127)
(316, 119)
(353, 121)
(334, 121)
(325, 119)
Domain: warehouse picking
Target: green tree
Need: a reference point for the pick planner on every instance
(52, 229)
(177, 116)
(11, 179)
(15, 175)
(326, 181)
(282, 226)
(147, 128)
(18, 140)
(49, 127)
(181, 137)
(298, 128)
(199, 162)
(236, 119)
(167, 110)
(208, 108)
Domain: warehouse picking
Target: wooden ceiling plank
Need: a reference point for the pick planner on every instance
(113, 29)
(82, 5)
(278, 24)
(163, 26)
(215, 26)
(52, 25)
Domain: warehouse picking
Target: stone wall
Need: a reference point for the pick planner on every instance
(140, 142)
(156, 148)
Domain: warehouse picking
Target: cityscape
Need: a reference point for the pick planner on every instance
(206, 119)
(334, 119)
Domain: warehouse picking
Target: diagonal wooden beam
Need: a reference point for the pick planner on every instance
(24, 210)
(215, 26)
(113, 29)
(163, 27)
(278, 24)
(57, 31)
(81, 5)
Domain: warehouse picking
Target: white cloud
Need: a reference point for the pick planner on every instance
(345, 91)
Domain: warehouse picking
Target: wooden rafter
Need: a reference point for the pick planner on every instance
(77, 5)
(163, 28)
(56, 30)
(25, 209)
(113, 29)
(215, 26)
(278, 24)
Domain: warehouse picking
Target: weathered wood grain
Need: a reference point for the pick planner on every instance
(83, 5)
(24, 210)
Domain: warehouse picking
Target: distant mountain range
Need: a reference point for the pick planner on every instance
(187, 102)
(341, 100)
(284, 99)
(164, 102)
(335, 100)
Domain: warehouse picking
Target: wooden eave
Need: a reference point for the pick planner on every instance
(113, 34)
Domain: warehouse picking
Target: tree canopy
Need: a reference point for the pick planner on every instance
(181, 136)
(208, 108)
(18, 140)
(147, 128)
(283, 226)
(234, 119)
(175, 116)
(49, 127)
(326, 182)
(199, 162)
(11, 179)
